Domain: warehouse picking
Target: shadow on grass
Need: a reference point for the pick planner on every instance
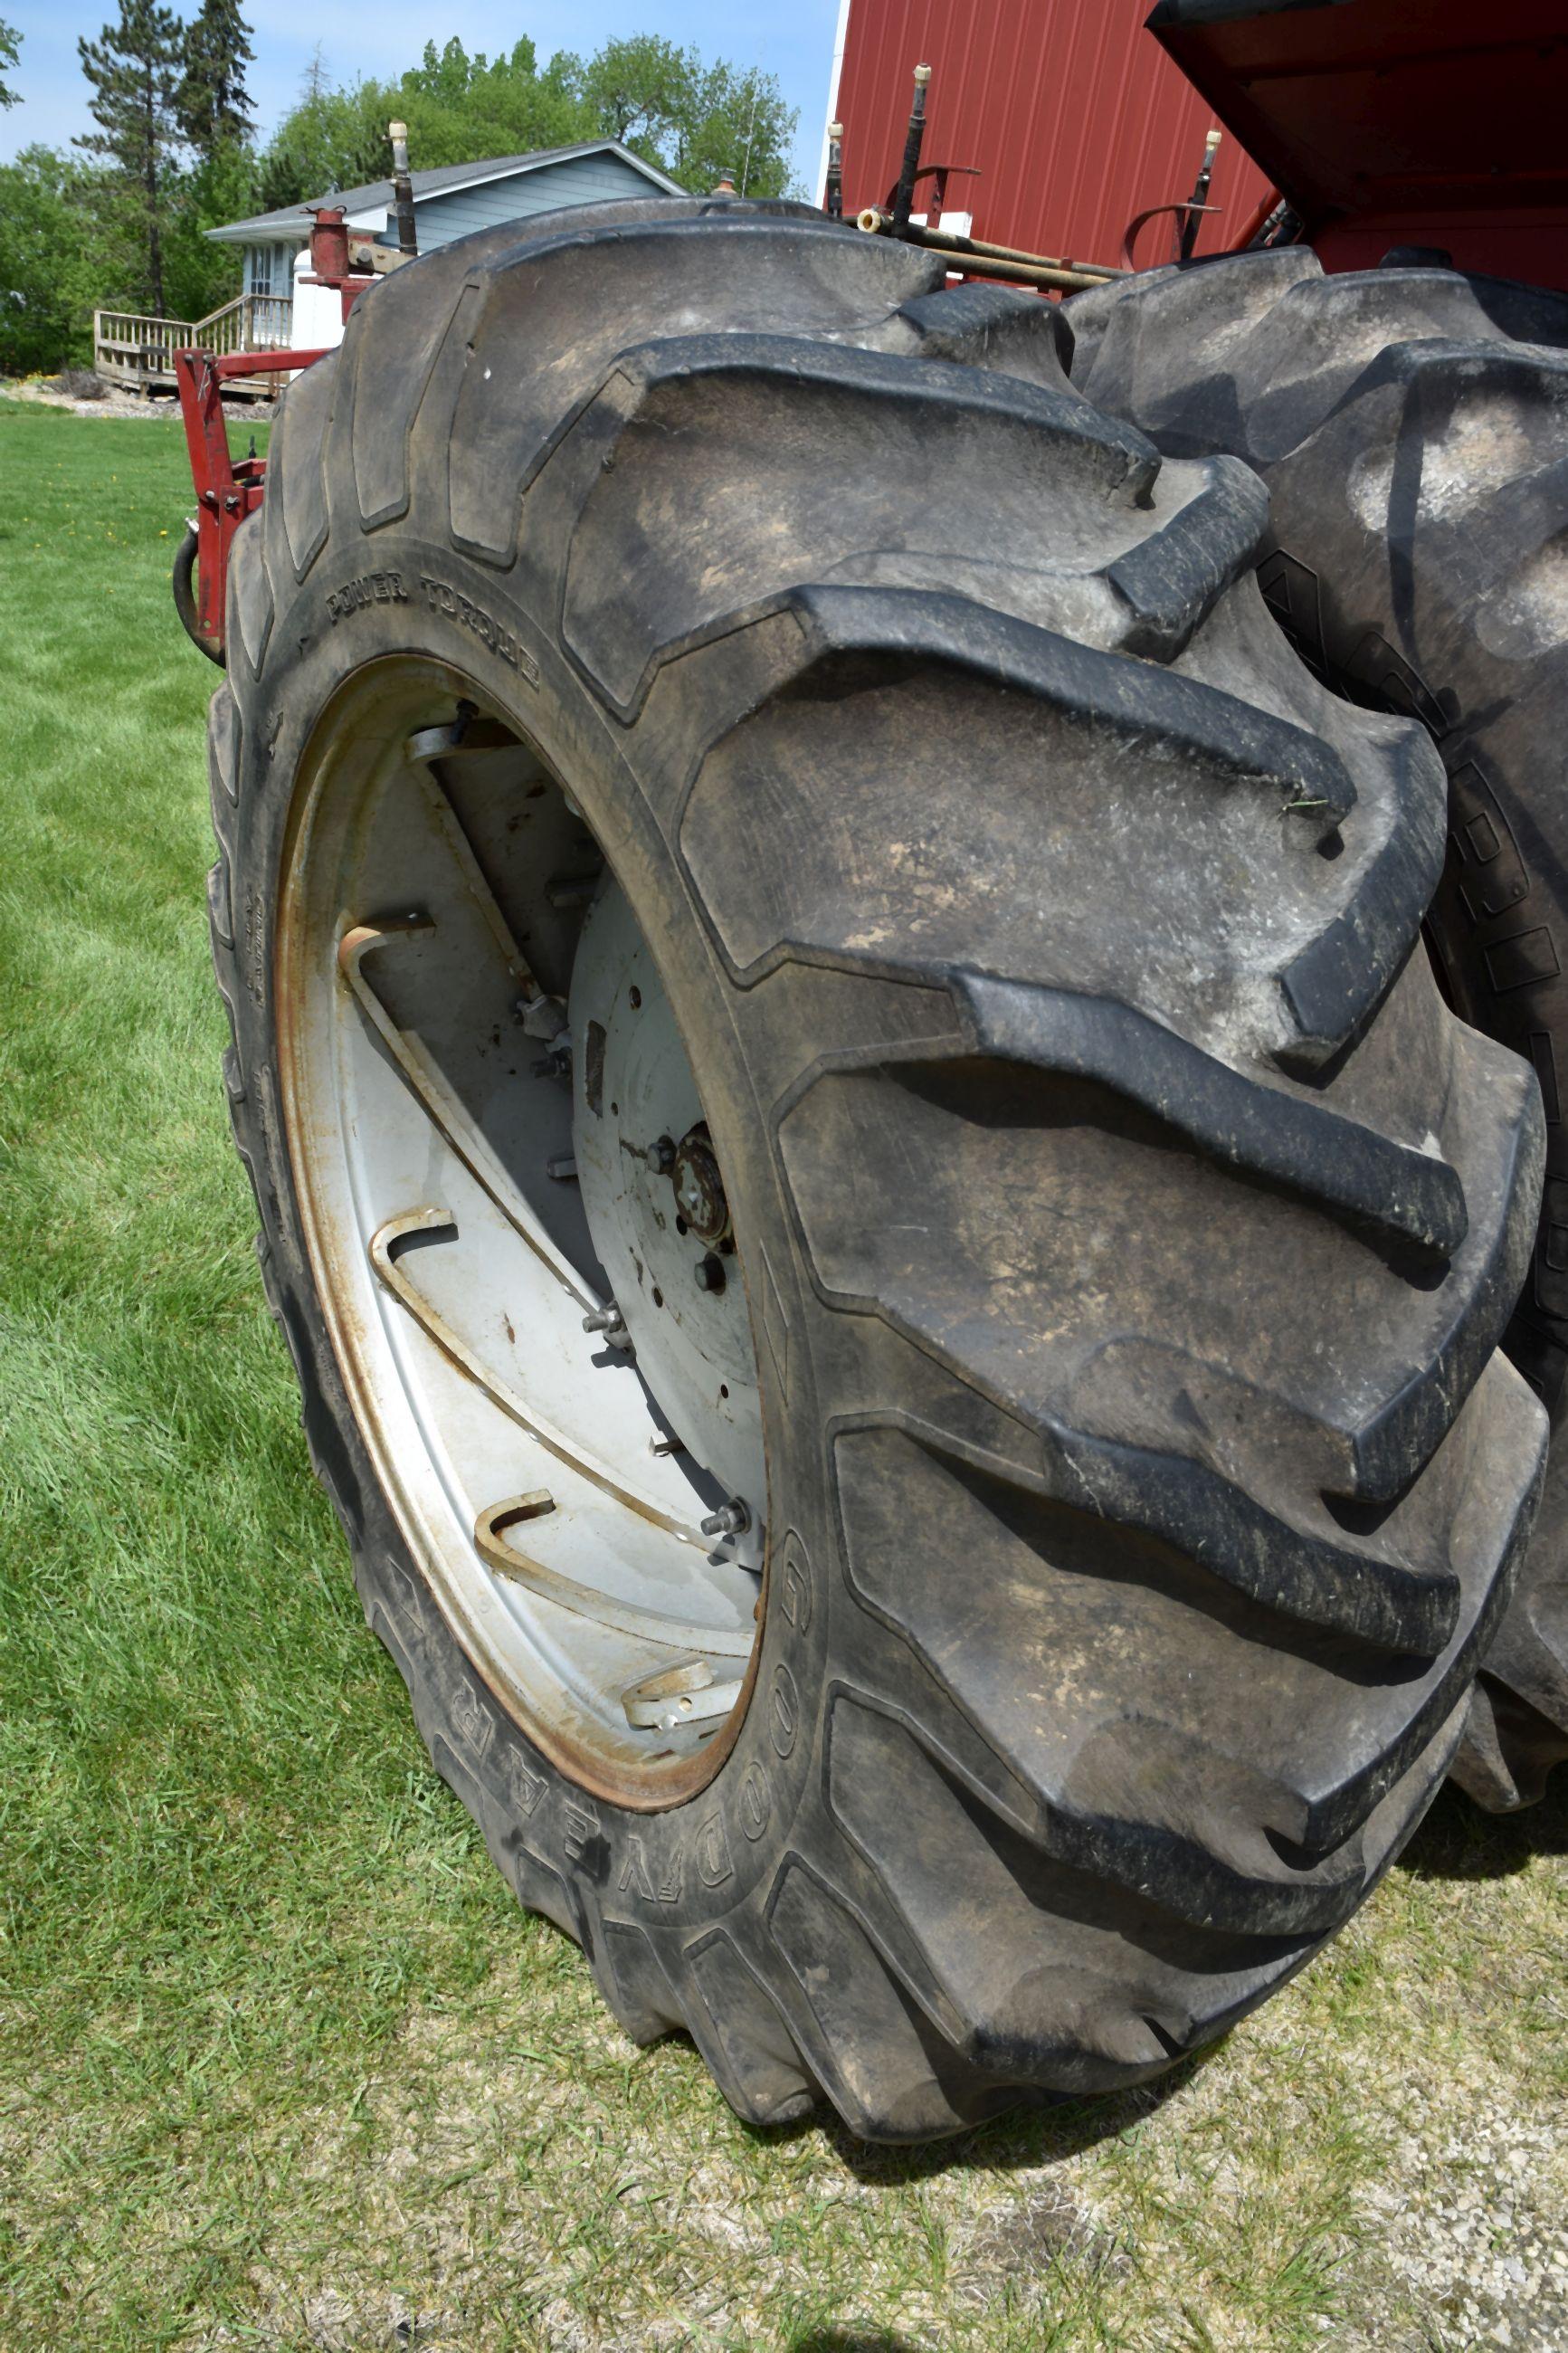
(1458, 1841)
(1455, 1841)
(853, 2340)
(1036, 2131)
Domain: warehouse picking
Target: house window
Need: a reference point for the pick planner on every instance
(269, 269)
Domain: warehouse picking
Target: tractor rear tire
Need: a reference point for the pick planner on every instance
(1126, 1224)
(1412, 426)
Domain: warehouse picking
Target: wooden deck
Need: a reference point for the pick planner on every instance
(136, 352)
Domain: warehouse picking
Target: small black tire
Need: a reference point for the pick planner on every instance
(1412, 426)
(1137, 1223)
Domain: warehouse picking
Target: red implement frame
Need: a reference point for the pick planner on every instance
(229, 491)
(1423, 124)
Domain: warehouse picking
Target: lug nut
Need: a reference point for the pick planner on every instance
(660, 1155)
(711, 1274)
(732, 1520)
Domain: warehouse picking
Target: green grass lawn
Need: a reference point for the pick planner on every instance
(282, 2064)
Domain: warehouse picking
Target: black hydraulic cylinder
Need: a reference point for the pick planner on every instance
(1199, 199)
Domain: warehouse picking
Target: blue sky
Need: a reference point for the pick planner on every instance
(794, 41)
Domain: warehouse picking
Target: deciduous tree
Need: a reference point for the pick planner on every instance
(693, 118)
(51, 232)
(696, 119)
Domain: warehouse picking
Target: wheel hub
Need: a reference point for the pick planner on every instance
(659, 1216)
(699, 1189)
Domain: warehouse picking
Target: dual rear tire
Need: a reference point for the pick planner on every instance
(1115, 1227)
(1411, 424)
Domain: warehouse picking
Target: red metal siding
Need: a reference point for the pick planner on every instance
(1074, 114)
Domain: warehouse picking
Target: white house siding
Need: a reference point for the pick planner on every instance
(317, 313)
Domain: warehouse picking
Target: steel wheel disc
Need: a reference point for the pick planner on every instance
(565, 1408)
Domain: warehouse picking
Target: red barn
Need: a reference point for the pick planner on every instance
(1075, 115)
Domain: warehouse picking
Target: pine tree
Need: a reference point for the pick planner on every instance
(213, 104)
(135, 70)
(10, 54)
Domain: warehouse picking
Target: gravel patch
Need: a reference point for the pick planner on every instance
(1476, 2230)
(121, 404)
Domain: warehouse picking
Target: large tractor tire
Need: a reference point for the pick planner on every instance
(895, 1267)
(1412, 426)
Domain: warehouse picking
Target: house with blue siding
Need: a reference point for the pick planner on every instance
(449, 202)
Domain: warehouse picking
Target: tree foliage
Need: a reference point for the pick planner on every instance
(123, 223)
(322, 143)
(213, 104)
(10, 57)
(697, 120)
(135, 70)
(693, 119)
(46, 264)
(220, 187)
(173, 158)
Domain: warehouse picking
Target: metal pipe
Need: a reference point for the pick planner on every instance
(979, 259)
(833, 195)
(402, 189)
(904, 194)
(1023, 273)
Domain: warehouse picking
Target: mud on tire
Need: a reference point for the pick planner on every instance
(1129, 1227)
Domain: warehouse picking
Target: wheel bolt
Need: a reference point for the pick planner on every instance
(732, 1520)
(711, 1274)
(610, 1322)
(660, 1155)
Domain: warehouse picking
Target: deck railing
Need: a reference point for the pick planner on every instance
(251, 323)
(131, 347)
